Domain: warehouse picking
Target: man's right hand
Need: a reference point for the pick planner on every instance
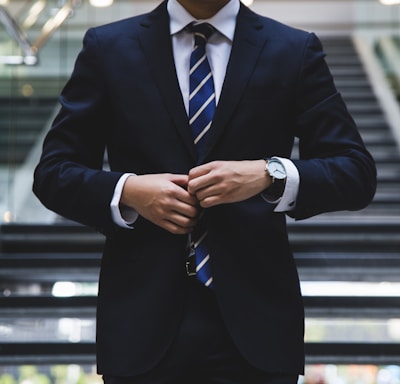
(162, 199)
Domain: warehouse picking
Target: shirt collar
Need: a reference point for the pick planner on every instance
(224, 21)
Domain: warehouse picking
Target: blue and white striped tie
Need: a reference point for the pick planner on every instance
(201, 112)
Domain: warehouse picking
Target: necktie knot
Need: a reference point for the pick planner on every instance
(202, 32)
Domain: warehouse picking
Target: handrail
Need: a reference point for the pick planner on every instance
(390, 106)
(29, 52)
(54, 23)
(387, 47)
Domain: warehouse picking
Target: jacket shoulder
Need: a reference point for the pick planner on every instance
(120, 27)
(273, 28)
(130, 25)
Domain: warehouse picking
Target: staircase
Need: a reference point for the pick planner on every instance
(21, 121)
(361, 246)
(26, 105)
(352, 82)
(370, 237)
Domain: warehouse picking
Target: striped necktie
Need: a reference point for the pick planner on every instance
(201, 113)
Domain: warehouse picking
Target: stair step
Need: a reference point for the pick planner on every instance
(378, 139)
(352, 73)
(371, 121)
(359, 83)
(348, 266)
(48, 238)
(384, 153)
(348, 61)
(363, 108)
(347, 236)
(361, 96)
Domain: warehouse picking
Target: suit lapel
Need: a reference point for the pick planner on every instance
(156, 44)
(247, 45)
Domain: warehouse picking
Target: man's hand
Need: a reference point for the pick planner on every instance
(162, 199)
(221, 182)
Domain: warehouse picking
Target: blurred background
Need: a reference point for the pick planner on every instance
(349, 263)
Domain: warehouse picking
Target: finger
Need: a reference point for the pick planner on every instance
(200, 183)
(182, 221)
(199, 171)
(210, 201)
(178, 224)
(179, 189)
(186, 197)
(178, 179)
(175, 229)
(187, 210)
(208, 191)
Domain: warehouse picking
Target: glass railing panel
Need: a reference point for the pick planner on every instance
(352, 330)
(30, 288)
(351, 374)
(78, 325)
(47, 328)
(46, 373)
(86, 373)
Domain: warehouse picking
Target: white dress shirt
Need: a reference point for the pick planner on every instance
(218, 51)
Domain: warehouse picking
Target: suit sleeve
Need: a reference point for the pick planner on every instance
(69, 178)
(336, 170)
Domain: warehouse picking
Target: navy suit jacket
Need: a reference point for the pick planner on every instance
(124, 96)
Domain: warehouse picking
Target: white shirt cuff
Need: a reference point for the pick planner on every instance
(122, 216)
(288, 199)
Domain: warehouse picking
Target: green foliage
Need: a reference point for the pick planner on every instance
(7, 379)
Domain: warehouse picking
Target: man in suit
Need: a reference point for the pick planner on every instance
(129, 94)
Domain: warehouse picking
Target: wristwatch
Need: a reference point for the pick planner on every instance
(276, 170)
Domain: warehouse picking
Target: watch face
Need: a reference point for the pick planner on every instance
(276, 169)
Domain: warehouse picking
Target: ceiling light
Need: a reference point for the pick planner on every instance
(390, 2)
(101, 3)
